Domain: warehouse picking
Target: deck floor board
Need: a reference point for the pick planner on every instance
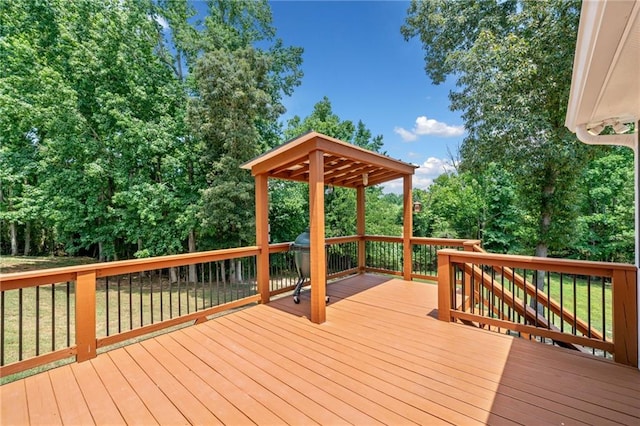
(381, 358)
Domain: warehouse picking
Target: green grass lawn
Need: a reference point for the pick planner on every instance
(10, 264)
(586, 299)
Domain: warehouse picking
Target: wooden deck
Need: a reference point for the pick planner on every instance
(381, 358)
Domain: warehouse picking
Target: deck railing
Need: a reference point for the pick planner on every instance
(589, 306)
(385, 254)
(50, 315)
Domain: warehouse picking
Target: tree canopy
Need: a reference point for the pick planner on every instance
(123, 137)
(123, 124)
(513, 92)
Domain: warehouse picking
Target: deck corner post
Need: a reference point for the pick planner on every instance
(86, 316)
(468, 245)
(445, 276)
(317, 250)
(625, 317)
(360, 228)
(407, 267)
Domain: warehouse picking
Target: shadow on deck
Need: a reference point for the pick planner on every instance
(380, 358)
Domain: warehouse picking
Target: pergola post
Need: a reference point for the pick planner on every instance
(360, 227)
(407, 231)
(316, 219)
(262, 236)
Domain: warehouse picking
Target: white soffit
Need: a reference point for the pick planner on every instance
(606, 69)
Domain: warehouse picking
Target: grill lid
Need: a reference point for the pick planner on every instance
(303, 240)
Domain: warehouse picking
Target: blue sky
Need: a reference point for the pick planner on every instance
(355, 55)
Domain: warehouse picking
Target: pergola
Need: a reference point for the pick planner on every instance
(321, 160)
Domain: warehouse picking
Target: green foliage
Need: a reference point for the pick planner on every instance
(97, 149)
(289, 204)
(382, 212)
(472, 205)
(606, 223)
(513, 93)
(122, 138)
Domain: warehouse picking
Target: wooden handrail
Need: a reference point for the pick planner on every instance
(451, 242)
(569, 266)
(68, 273)
(383, 239)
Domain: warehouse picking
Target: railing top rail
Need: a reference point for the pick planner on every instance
(456, 242)
(68, 273)
(383, 238)
(279, 247)
(583, 267)
(345, 239)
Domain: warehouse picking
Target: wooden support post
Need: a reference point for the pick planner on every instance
(445, 276)
(625, 317)
(262, 236)
(86, 315)
(316, 219)
(360, 227)
(407, 228)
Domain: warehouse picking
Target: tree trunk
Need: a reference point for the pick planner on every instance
(13, 231)
(13, 226)
(238, 271)
(27, 239)
(193, 276)
(542, 248)
(100, 252)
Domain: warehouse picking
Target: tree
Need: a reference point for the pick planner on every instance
(35, 100)
(340, 203)
(235, 91)
(232, 97)
(93, 111)
(513, 93)
(606, 221)
(97, 149)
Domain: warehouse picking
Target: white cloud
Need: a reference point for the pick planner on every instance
(406, 135)
(424, 176)
(429, 170)
(429, 126)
